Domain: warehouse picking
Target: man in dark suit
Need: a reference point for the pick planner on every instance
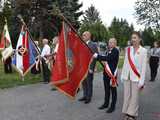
(112, 58)
(88, 82)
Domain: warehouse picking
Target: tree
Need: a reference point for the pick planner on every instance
(148, 12)
(148, 36)
(70, 9)
(92, 22)
(5, 14)
(36, 14)
(98, 30)
(91, 15)
(40, 18)
(157, 35)
(121, 30)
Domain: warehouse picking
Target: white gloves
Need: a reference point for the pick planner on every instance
(140, 85)
(90, 71)
(95, 55)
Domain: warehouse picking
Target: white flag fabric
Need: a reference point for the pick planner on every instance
(6, 43)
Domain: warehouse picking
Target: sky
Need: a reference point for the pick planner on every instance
(110, 8)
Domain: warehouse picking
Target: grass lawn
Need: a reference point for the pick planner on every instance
(14, 79)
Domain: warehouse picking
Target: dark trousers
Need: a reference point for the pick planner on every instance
(153, 66)
(7, 65)
(88, 87)
(46, 71)
(7, 68)
(109, 90)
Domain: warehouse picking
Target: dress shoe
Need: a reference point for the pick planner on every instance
(111, 109)
(152, 80)
(87, 101)
(82, 99)
(46, 82)
(103, 107)
(53, 89)
(131, 117)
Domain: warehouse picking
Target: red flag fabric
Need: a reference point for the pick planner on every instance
(60, 69)
(78, 58)
(2, 42)
(6, 44)
(5, 39)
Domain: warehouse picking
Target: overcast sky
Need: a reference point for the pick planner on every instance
(110, 8)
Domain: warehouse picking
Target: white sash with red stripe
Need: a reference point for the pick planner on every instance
(109, 73)
(132, 65)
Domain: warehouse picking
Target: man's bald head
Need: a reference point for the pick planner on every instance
(45, 41)
(86, 36)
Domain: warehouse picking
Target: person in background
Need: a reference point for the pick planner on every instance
(154, 60)
(88, 82)
(55, 44)
(112, 58)
(133, 76)
(45, 52)
(51, 57)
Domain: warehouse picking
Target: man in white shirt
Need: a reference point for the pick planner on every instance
(45, 52)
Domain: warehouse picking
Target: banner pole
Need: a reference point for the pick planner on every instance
(21, 19)
(65, 19)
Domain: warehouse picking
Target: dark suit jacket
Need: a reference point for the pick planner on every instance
(112, 57)
(94, 49)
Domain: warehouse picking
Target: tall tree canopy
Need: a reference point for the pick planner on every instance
(91, 15)
(40, 16)
(148, 36)
(121, 30)
(148, 12)
(92, 22)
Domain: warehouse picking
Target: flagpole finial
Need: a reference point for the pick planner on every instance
(5, 20)
(20, 17)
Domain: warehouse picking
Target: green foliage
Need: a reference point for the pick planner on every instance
(40, 17)
(148, 12)
(121, 30)
(148, 36)
(6, 13)
(91, 16)
(98, 31)
(14, 79)
(157, 35)
(92, 22)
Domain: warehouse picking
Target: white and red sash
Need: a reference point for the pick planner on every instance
(133, 67)
(109, 73)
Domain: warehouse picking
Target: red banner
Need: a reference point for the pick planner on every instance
(78, 59)
(2, 42)
(60, 69)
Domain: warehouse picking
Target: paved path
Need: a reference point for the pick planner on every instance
(37, 102)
